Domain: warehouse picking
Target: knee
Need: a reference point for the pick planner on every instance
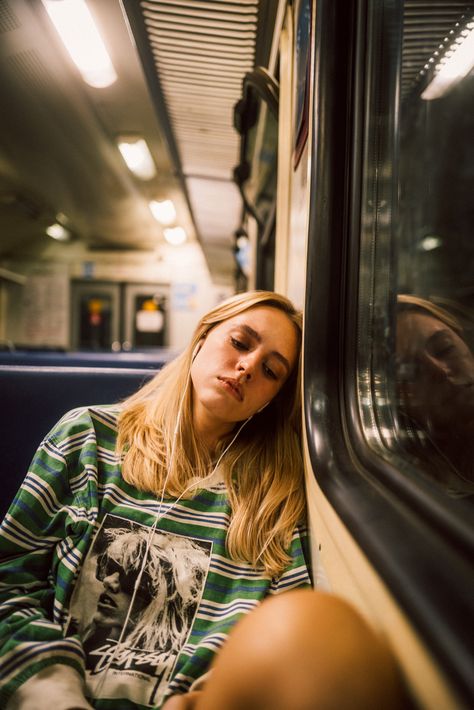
(305, 650)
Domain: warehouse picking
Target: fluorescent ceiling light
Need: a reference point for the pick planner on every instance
(175, 235)
(137, 155)
(430, 242)
(164, 212)
(80, 36)
(456, 63)
(57, 231)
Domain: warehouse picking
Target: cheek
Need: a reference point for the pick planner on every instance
(214, 355)
(196, 376)
(270, 390)
(204, 367)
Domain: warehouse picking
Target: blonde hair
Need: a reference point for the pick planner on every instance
(263, 467)
(175, 569)
(407, 303)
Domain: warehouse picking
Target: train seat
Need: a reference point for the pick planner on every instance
(34, 398)
(152, 359)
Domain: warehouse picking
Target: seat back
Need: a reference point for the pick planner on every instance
(152, 359)
(34, 398)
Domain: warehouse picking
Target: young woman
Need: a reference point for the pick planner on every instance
(203, 462)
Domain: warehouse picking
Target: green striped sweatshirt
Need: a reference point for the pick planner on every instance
(92, 579)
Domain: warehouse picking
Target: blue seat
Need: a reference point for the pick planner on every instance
(153, 359)
(34, 398)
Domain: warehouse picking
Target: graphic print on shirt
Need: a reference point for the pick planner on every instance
(160, 617)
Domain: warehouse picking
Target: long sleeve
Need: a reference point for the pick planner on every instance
(298, 573)
(42, 539)
(63, 577)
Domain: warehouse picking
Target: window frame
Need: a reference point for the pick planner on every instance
(410, 537)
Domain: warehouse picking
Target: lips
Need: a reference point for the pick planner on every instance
(232, 386)
(106, 601)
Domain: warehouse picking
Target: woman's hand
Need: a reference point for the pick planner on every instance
(187, 701)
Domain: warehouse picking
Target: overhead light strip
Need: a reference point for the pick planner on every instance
(454, 65)
(137, 156)
(79, 34)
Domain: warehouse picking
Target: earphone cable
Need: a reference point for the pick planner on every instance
(159, 516)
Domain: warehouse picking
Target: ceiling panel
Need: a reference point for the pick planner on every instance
(195, 56)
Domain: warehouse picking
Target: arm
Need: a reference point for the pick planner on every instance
(297, 575)
(39, 556)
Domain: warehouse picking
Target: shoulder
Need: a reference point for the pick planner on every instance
(98, 421)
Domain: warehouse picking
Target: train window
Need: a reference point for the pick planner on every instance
(416, 292)
(388, 365)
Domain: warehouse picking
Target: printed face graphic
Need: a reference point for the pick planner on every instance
(114, 602)
(141, 652)
(243, 363)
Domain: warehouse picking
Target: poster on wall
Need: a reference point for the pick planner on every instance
(302, 19)
(184, 296)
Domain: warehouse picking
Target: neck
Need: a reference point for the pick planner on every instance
(210, 430)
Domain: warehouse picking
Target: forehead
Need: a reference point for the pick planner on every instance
(273, 327)
(413, 329)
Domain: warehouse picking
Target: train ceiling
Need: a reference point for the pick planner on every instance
(428, 29)
(180, 67)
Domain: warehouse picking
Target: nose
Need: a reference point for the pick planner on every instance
(112, 582)
(244, 372)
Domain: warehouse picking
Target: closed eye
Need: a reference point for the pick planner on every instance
(441, 345)
(269, 372)
(443, 351)
(238, 344)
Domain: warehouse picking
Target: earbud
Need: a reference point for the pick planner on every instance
(265, 405)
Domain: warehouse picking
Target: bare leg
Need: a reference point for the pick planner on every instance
(303, 650)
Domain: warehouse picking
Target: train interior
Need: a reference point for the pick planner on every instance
(192, 150)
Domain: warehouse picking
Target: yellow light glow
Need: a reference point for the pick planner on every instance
(454, 66)
(137, 156)
(164, 212)
(77, 30)
(57, 231)
(175, 235)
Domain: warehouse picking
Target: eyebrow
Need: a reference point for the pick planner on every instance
(253, 334)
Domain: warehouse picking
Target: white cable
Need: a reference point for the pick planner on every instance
(147, 548)
(153, 528)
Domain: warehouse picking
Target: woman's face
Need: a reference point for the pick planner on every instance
(439, 380)
(242, 364)
(114, 601)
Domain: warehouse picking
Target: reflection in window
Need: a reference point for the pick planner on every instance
(435, 380)
(417, 280)
(436, 254)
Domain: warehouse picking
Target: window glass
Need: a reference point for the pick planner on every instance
(416, 297)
